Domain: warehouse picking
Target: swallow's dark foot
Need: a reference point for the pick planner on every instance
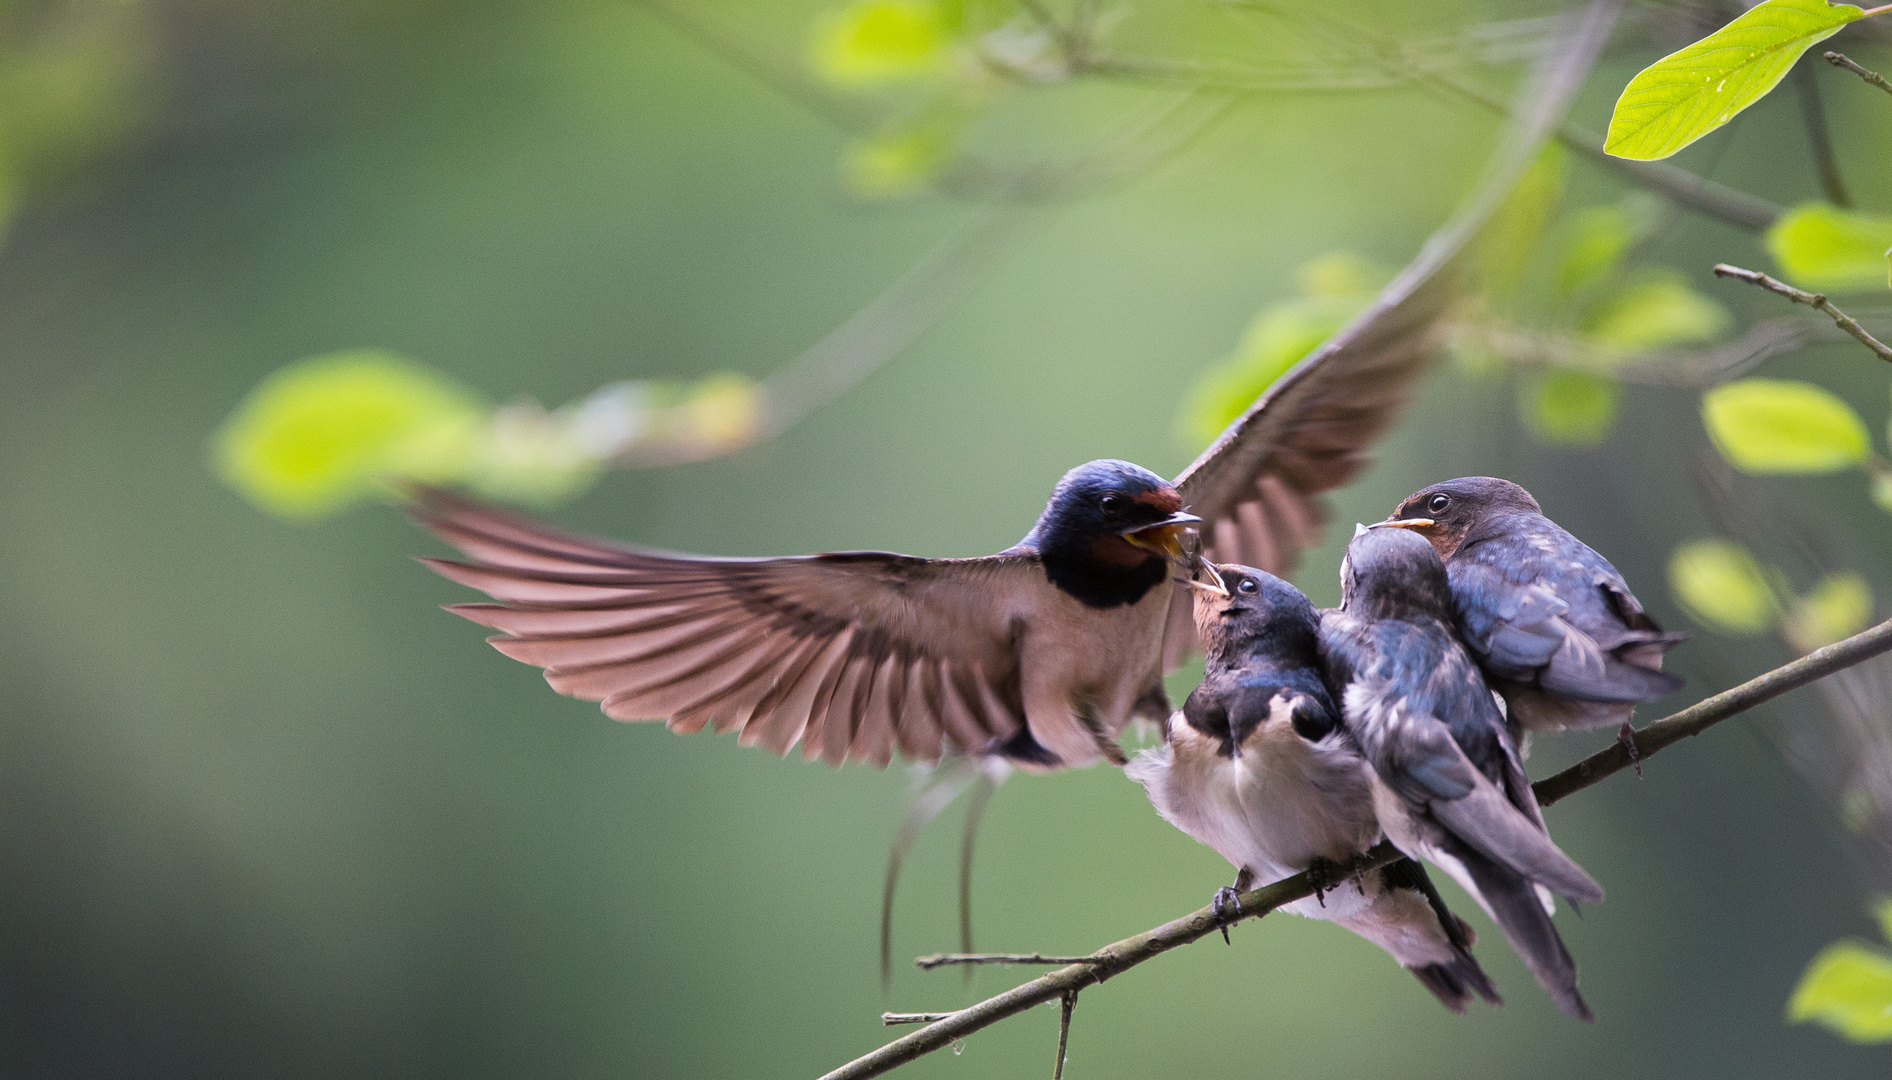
(1226, 903)
(1627, 736)
(1326, 876)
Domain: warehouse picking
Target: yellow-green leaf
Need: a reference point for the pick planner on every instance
(1688, 94)
(1569, 408)
(872, 42)
(1515, 232)
(1838, 607)
(1823, 247)
(1595, 242)
(1277, 339)
(894, 163)
(1847, 988)
(1721, 587)
(1659, 311)
(322, 432)
(1783, 426)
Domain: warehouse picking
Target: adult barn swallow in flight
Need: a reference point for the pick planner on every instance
(1551, 622)
(1257, 765)
(1448, 786)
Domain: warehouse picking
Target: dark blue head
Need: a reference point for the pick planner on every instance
(1392, 573)
(1252, 611)
(1110, 531)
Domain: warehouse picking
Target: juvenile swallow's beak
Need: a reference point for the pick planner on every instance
(1416, 524)
(1165, 538)
(1215, 586)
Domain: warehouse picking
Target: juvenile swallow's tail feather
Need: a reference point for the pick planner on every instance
(1502, 833)
(1513, 902)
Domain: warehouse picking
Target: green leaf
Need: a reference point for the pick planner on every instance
(1658, 311)
(1596, 241)
(1333, 290)
(322, 432)
(1277, 339)
(1882, 490)
(1847, 988)
(1569, 408)
(895, 163)
(1882, 910)
(1690, 93)
(1721, 587)
(1823, 247)
(873, 42)
(1784, 426)
(1516, 231)
(1838, 607)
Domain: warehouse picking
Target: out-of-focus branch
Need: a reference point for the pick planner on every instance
(1132, 951)
(1817, 301)
(1872, 77)
(1806, 85)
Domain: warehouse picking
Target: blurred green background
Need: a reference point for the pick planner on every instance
(265, 810)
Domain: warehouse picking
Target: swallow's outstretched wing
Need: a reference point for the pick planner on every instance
(850, 654)
(1256, 487)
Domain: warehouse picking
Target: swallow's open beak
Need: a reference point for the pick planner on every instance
(1215, 586)
(1165, 538)
(1404, 523)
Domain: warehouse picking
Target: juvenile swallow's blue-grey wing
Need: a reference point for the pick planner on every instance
(852, 655)
(1562, 621)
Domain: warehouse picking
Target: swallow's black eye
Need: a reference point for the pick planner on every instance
(1439, 503)
(1248, 585)
(1110, 504)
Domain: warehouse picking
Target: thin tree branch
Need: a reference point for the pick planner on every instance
(1097, 967)
(1670, 181)
(1708, 712)
(1806, 84)
(1873, 77)
(896, 1019)
(1817, 301)
(1131, 951)
(929, 962)
(1064, 1033)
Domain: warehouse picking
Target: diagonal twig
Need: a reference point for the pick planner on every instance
(1817, 301)
(1873, 77)
(929, 962)
(1131, 951)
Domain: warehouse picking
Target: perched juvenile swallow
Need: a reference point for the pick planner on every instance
(1448, 786)
(1550, 621)
(1257, 766)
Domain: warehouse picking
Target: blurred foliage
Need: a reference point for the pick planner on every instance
(323, 433)
(1690, 93)
(1820, 246)
(1837, 608)
(1332, 291)
(875, 42)
(1568, 408)
(1848, 988)
(1561, 302)
(1722, 587)
(1784, 426)
(73, 84)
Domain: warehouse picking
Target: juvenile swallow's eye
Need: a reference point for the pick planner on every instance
(1439, 503)
(1248, 585)
(1110, 504)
